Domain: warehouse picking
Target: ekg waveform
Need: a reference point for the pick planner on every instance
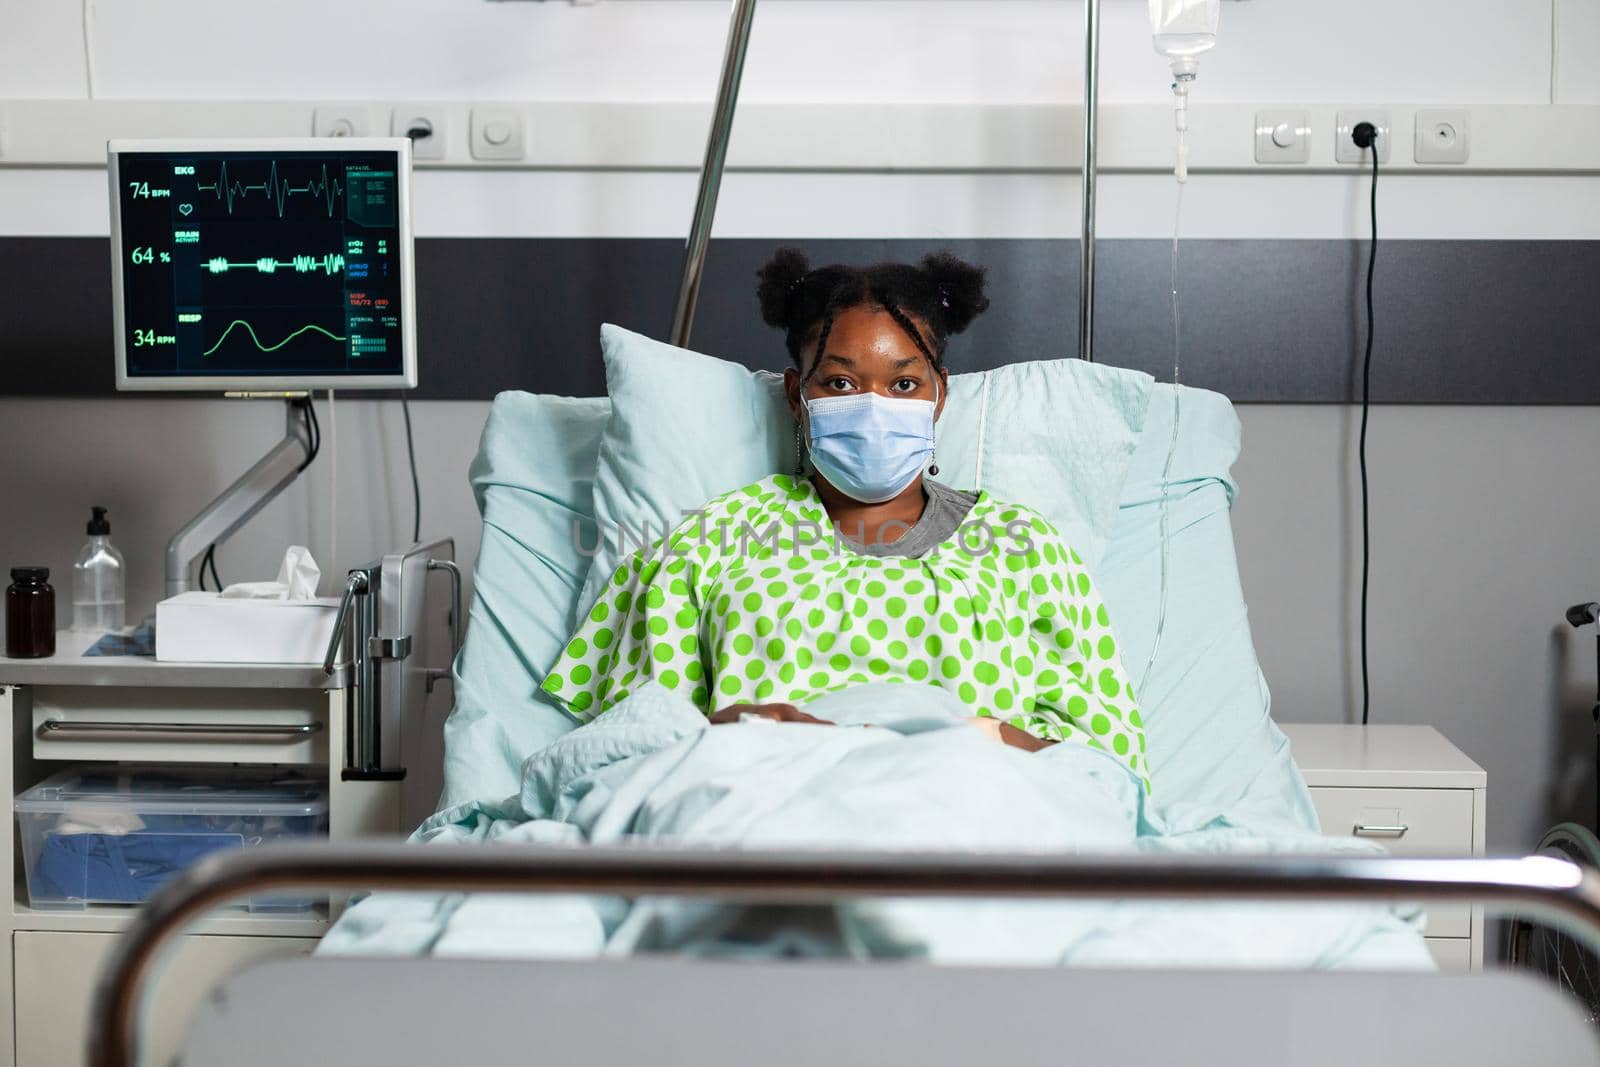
(268, 348)
(274, 188)
(332, 263)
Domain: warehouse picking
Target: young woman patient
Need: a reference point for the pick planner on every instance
(861, 567)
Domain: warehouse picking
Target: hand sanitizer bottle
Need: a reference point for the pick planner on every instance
(98, 590)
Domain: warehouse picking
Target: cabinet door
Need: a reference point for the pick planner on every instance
(1452, 954)
(1408, 822)
(56, 974)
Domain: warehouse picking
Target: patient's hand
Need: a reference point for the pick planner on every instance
(1006, 734)
(775, 712)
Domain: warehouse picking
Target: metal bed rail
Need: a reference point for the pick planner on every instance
(1551, 891)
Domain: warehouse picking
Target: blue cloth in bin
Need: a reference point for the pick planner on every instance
(124, 868)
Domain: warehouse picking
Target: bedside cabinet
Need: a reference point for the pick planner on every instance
(1410, 789)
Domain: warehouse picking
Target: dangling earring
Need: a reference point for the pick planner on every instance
(933, 468)
(799, 453)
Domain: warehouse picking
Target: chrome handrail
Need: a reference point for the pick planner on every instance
(1542, 888)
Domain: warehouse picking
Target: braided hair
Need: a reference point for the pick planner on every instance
(942, 293)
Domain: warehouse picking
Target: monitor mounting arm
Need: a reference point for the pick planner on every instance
(238, 503)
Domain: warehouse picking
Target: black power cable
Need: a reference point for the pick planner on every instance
(1365, 135)
(416, 487)
(308, 412)
(209, 560)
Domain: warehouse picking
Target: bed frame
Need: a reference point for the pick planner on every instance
(1551, 891)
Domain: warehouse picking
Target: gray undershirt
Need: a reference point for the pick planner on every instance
(943, 512)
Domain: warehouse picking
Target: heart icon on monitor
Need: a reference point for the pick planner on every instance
(184, 209)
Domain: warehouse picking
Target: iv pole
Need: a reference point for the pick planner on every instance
(1091, 117)
(705, 206)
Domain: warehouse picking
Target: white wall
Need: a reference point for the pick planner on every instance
(1466, 51)
(1482, 515)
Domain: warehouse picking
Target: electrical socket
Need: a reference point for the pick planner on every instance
(436, 120)
(1443, 136)
(342, 120)
(1344, 148)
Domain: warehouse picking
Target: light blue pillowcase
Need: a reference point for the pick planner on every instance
(1057, 436)
(534, 482)
(1213, 746)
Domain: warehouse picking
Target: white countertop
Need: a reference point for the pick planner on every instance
(69, 666)
(1393, 756)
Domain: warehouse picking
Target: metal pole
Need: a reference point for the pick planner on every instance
(1091, 116)
(705, 204)
(240, 501)
(1542, 888)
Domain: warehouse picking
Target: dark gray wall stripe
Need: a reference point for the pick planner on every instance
(1459, 322)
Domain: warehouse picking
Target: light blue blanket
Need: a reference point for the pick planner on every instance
(918, 779)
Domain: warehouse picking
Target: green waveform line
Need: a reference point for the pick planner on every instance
(328, 264)
(275, 189)
(265, 348)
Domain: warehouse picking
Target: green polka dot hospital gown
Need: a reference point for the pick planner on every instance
(757, 598)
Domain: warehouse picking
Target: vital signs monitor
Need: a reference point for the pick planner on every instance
(263, 265)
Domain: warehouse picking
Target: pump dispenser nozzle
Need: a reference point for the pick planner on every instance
(98, 526)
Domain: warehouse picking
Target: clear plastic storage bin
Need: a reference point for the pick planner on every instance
(113, 833)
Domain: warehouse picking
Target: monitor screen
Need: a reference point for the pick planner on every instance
(262, 265)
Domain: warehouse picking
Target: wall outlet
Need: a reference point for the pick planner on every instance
(497, 133)
(434, 120)
(342, 120)
(1443, 136)
(1345, 150)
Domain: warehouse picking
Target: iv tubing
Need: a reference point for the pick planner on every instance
(1172, 445)
(1183, 72)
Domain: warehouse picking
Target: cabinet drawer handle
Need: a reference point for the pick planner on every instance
(1378, 830)
(59, 730)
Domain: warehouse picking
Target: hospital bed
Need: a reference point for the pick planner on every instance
(1220, 757)
(1211, 737)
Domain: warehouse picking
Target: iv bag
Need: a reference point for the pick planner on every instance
(1184, 28)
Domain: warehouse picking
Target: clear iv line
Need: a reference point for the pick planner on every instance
(1172, 445)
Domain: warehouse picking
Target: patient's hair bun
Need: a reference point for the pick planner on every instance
(957, 290)
(930, 301)
(779, 288)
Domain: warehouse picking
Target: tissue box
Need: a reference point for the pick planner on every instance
(206, 628)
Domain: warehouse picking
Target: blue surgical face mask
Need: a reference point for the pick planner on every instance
(870, 447)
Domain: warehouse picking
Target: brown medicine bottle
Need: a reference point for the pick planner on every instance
(30, 614)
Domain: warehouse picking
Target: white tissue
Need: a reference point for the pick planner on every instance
(298, 576)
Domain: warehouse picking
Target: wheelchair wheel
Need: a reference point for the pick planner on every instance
(1554, 954)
